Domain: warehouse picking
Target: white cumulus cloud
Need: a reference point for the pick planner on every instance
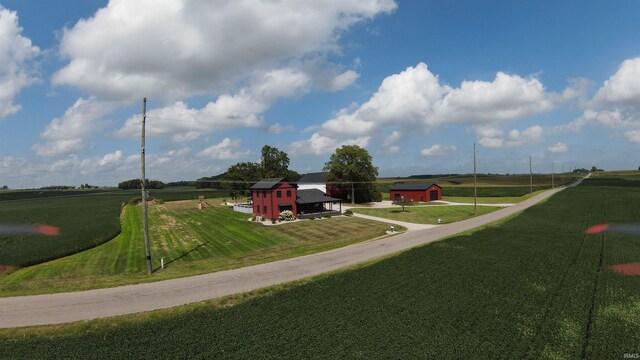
(16, 54)
(224, 150)
(558, 148)
(438, 150)
(322, 145)
(67, 134)
(185, 47)
(416, 99)
(242, 109)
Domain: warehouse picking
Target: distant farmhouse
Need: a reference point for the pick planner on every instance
(272, 196)
(416, 192)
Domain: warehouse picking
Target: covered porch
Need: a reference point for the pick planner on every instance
(314, 203)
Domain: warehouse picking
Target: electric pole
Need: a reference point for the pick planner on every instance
(552, 181)
(475, 190)
(562, 174)
(530, 176)
(145, 208)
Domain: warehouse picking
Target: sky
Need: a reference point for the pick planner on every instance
(416, 83)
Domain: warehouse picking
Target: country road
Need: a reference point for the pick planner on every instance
(91, 304)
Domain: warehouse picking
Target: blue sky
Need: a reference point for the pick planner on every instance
(414, 82)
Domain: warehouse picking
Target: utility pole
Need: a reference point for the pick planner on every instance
(475, 190)
(530, 176)
(552, 181)
(562, 174)
(145, 208)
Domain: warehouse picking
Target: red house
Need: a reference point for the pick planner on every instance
(271, 196)
(416, 192)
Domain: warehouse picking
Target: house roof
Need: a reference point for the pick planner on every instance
(313, 178)
(266, 184)
(311, 196)
(412, 187)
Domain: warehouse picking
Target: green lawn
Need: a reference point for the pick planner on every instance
(536, 287)
(192, 242)
(427, 214)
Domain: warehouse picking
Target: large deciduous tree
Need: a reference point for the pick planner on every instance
(351, 166)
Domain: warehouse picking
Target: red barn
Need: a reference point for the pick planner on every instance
(271, 196)
(416, 192)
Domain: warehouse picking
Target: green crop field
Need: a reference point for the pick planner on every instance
(191, 241)
(86, 219)
(535, 287)
(428, 214)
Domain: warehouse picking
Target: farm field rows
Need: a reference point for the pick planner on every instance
(427, 214)
(534, 287)
(191, 241)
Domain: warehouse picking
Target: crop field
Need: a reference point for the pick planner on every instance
(86, 218)
(428, 214)
(191, 241)
(535, 287)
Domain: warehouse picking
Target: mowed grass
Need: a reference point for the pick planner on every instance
(492, 199)
(191, 241)
(536, 287)
(427, 214)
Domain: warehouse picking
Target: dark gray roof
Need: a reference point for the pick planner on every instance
(412, 186)
(313, 196)
(266, 184)
(313, 178)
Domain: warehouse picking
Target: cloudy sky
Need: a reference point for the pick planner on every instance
(414, 82)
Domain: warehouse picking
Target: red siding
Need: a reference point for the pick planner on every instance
(270, 200)
(417, 195)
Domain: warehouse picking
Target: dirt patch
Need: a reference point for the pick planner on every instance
(628, 269)
(6, 269)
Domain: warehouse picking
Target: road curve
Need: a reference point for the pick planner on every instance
(85, 305)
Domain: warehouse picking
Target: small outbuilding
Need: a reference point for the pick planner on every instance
(416, 192)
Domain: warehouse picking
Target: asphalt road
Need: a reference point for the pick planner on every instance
(84, 305)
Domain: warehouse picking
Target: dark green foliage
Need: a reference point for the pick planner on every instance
(38, 194)
(85, 221)
(504, 191)
(135, 184)
(536, 287)
(351, 168)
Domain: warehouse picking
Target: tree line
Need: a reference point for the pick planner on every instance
(135, 184)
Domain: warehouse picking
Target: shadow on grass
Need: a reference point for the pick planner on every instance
(399, 211)
(184, 254)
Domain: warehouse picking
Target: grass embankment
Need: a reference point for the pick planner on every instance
(427, 214)
(191, 241)
(535, 287)
(492, 199)
(86, 218)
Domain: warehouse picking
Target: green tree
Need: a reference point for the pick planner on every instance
(351, 165)
(274, 163)
(241, 175)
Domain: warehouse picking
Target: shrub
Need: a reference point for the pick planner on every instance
(348, 213)
(286, 215)
(273, 220)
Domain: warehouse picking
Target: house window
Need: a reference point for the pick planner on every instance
(288, 193)
(265, 209)
(279, 193)
(264, 194)
(258, 209)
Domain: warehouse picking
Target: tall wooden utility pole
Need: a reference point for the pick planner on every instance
(475, 190)
(530, 176)
(145, 208)
(552, 181)
(562, 174)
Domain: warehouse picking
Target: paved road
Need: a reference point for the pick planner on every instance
(84, 305)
